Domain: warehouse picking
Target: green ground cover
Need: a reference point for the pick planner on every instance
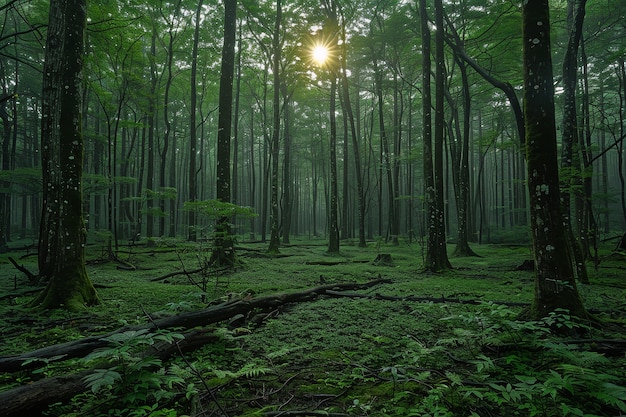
(332, 355)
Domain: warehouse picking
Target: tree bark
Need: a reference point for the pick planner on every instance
(193, 137)
(63, 234)
(223, 250)
(354, 134)
(274, 213)
(440, 255)
(570, 161)
(555, 286)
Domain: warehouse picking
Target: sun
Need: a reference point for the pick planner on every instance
(320, 54)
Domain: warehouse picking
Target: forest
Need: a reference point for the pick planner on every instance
(313, 208)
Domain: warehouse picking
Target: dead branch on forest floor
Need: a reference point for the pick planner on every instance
(212, 314)
(32, 278)
(442, 299)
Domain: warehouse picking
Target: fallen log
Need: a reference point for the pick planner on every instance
(212, 314)
(413, 298)
(33, 399)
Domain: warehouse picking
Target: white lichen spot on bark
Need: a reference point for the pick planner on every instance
(542, 189)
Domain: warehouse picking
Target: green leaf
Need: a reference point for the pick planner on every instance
(102, 378)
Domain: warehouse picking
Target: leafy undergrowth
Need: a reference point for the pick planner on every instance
(333, 356)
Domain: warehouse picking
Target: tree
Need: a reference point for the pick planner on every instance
(353, 133)
(555, 286)
(193, 137)
(224, 251)
(274, 220)
(62, 234)
(570, 161)
(436, 251)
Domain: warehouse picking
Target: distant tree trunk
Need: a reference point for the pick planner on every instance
(151, 135)
(398, 110)
(168, 133)
(235, 175)
(274, 214)
(5, 195)
(252, 177)
(287, 167)
(62, 235)
(224, 250)
(555, 286)
(193, 137)
(621, 74)
(354, 134)
(570, 160)
(589, 227)
(386, 156)
(333, 240)
(462, 200)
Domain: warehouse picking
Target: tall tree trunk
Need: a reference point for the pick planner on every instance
(274, 214)
(163, 179)
(5, 195)
(235, 176)
(192, 186)
(570, 160)
(287, 167)
(151, 134)
(62, 236)
(224, 249)
(429, 178)
(441, 253)
(354, 134)
(386, 156)
(555, 286)
(462, 200)
(333, 225)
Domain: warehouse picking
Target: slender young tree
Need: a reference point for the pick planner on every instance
(193, 137)
(62, 232)
(555, 286)
(224, 250)
(570, 159)
(274, 214)
(429, 180)
(354, 133)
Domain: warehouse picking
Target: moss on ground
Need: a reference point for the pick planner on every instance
(352, 356)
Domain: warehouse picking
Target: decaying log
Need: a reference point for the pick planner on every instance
(32, 399)
(212, 314)
(412, 298)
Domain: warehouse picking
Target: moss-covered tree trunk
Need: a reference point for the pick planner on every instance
(555, 286)
(224, 250)
(62, 231)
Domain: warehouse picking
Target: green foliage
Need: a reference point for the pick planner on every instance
(21, 181)
(215, 209)
(134, 381)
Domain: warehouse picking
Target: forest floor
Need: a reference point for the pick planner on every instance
(419, 344)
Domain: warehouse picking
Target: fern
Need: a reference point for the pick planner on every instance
(102, 378)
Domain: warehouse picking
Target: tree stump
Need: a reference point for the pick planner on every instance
(527, 265)
(383, 259)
